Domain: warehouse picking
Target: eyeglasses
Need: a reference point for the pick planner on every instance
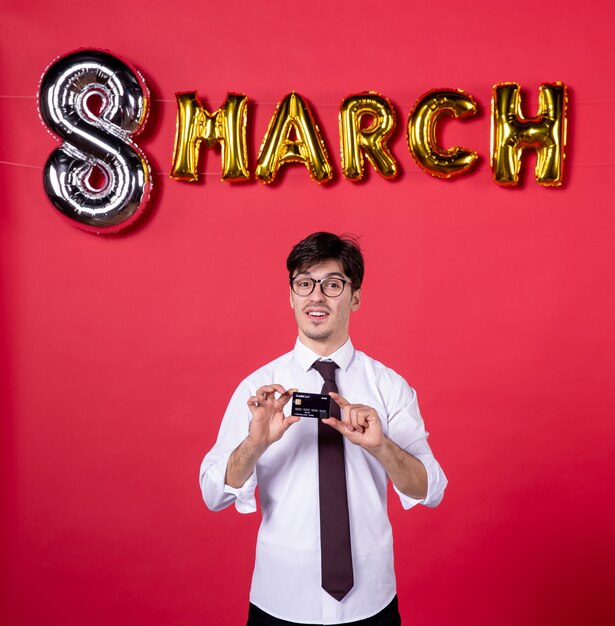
(331, 286)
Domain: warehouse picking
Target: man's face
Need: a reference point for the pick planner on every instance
(322, 320)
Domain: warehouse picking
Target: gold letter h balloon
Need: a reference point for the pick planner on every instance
(511, 133)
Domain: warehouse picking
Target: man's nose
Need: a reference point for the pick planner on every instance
(317, 295)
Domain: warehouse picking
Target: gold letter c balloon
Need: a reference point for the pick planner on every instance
(422, 123)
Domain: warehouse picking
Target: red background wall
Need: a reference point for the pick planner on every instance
(120, 352)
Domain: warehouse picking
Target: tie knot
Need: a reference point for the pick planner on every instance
(326, 369)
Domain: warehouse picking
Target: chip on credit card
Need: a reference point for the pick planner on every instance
(310, 405)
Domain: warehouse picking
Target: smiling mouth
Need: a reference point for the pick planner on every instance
(317, 315)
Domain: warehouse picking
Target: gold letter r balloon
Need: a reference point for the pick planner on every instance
(356, 139)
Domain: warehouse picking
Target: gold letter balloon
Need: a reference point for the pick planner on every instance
(422, 124)
(226, 126)
(356, 139)
(293, 117)
(511, 133)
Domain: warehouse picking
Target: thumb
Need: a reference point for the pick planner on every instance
(339, 400)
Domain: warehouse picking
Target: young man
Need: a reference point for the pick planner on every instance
(324, 552)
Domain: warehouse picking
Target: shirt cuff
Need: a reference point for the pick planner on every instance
(245, 500)
(436, 483)
(217, 494)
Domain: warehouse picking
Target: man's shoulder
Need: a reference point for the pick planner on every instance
(377, 368)
(391, 388)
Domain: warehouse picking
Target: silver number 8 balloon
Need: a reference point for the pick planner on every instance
(95, 140)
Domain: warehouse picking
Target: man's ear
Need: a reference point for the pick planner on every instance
(290, 297)
(356, 300)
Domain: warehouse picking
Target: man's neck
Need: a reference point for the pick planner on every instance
(322, 348)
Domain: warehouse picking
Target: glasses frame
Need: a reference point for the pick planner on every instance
(320, 281)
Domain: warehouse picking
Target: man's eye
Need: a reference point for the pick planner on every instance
(302, 283)
(334, 284)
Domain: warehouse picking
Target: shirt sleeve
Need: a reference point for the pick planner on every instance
(407, 429)
(233, 430)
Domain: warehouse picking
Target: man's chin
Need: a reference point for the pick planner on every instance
(318, 335)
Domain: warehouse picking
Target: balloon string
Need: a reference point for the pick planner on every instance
(38, 167)
(324, 105)
(577, 103)
(218, 174)
(33, 167)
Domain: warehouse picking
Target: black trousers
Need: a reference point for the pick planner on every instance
(389, 616)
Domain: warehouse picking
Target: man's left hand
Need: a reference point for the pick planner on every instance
(360, 424)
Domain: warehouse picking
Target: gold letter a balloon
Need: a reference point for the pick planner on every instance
(279, 148)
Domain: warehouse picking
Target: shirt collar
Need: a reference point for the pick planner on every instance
(306, 357)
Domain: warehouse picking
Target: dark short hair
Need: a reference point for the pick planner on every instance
(319, 247)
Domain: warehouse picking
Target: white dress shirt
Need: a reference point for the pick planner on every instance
(287, 577)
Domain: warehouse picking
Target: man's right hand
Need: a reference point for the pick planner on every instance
(268, 421)
(268, 424)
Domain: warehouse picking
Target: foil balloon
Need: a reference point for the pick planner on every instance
(96, 143)
(293, 117)
(511, 133)
(226, 127)
(422, 127)
(371, 140)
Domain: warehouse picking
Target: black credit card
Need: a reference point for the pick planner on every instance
(310, 405)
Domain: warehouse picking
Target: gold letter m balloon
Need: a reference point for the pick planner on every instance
(226, 126)
(511, 133)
